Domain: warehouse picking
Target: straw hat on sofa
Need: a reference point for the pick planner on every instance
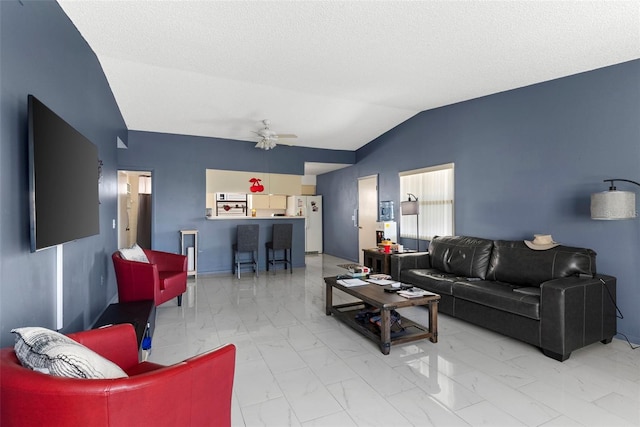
(541, 242)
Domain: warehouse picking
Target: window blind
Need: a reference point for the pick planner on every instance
(434, 188)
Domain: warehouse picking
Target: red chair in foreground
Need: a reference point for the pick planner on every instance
(164, 277)
(194, 392)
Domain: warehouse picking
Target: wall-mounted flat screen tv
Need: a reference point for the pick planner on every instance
(63, 180)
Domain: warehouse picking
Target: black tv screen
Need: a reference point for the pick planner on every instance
(63, 180)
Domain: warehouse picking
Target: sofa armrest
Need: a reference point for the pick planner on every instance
(136, 280)
(118, 343)
(194, 392)
(197, 391)
(575, 312)
(214, 367)
(167, 261)
(407, 261)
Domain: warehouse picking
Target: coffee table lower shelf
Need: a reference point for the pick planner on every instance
(371, 295)
(412, 331)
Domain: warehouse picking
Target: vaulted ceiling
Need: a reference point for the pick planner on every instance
(336, 73)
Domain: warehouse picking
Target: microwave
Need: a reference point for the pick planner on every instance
(231, 197)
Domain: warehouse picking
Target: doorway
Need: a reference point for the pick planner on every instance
(134, 208)
(367, 213)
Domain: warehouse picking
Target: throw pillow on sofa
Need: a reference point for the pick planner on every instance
(134, 253)
(50, 352)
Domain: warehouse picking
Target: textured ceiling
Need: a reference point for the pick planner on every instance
(336, 73)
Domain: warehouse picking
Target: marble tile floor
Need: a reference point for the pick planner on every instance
(295, 366)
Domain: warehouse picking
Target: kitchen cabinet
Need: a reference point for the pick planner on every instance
(240, 182)
(267, 201)
(259, 201)
(278, 202)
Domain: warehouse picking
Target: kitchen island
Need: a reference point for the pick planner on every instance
(221, 234)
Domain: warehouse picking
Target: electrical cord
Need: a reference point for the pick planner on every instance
(618, 315)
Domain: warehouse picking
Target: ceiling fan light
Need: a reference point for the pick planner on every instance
(269, 138)
(266, 144)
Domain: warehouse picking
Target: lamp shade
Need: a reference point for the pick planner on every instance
(613, 204)
(409, 208)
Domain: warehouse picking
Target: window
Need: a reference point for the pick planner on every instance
(433, 187)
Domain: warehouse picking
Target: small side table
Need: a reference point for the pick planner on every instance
(377, 261)
(141, 314)
(192, 269)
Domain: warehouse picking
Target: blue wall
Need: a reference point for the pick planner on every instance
(42, 53)
(179, 164)
(526, 161)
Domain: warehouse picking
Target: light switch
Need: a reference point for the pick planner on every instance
(114, 224)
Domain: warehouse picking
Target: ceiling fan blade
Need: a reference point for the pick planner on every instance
(269, 138)
(265, 134)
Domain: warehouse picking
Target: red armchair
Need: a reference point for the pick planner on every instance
(195, 392)
(163, 278)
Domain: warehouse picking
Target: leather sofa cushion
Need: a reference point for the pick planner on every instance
(513, 262)
(429, 279)
(501, 296)
(459, 255)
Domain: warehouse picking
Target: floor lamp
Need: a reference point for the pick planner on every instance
(614, 204)
(410, 207)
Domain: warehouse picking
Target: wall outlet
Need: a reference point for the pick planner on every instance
(113, 224)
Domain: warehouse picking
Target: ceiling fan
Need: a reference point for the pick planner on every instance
(268, 138)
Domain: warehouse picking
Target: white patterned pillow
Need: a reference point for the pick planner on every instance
(50, 352)
(134, 253)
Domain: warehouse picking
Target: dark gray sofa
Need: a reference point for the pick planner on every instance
(553, 299)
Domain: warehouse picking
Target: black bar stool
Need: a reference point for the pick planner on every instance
(246, 241)
(280, 240)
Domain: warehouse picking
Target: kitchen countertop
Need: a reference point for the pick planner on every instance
(219, 233)
(217, 218)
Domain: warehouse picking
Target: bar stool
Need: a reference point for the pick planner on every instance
(280, 240)
(246, 241)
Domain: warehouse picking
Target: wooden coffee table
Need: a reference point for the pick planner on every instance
(375, 296)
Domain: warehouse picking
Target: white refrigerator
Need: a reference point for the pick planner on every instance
(311, 208)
